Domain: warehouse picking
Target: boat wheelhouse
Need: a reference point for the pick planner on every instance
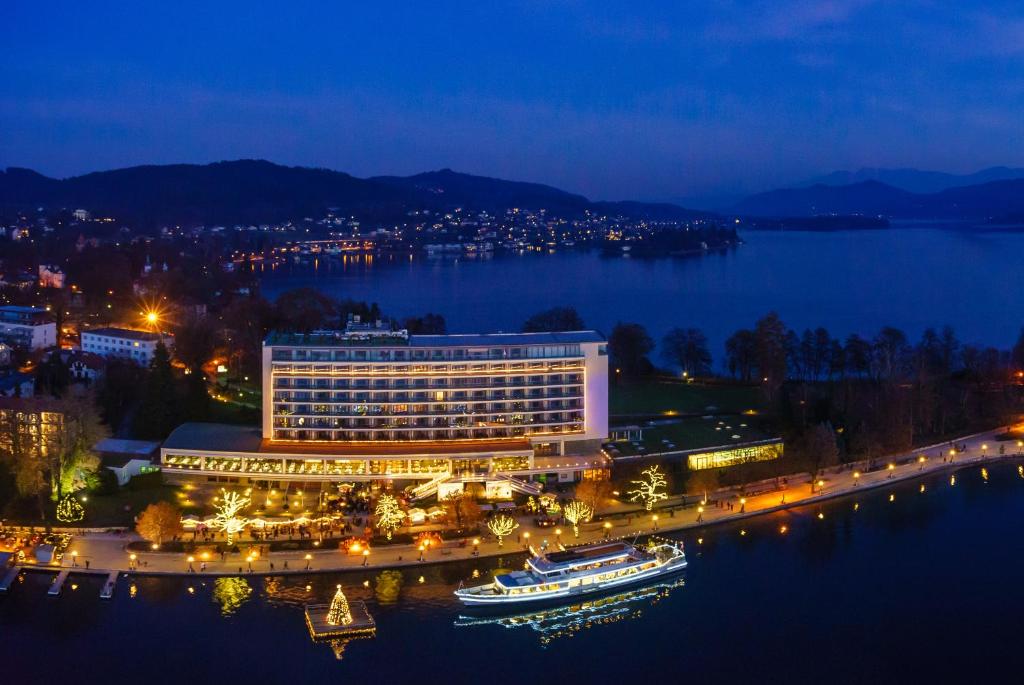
(577, 571)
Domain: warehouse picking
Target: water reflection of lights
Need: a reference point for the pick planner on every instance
(567, 621)
(231, 592)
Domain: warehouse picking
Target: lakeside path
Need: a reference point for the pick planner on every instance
(106, 552)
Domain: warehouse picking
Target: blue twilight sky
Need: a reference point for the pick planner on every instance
(613, 100)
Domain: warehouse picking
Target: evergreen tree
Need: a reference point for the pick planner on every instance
(158, 411)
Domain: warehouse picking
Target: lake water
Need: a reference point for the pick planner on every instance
(847, 281)
(923, 588)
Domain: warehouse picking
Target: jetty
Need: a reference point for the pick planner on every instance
(58, 583)
(12, 573)
(108, 587)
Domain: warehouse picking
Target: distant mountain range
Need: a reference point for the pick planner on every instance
(916, 180)
(993, 201)
(257, 191)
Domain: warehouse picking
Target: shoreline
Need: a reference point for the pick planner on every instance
(844, 484)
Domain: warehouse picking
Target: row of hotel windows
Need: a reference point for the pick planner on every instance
(401, 383)
(441, 354)
(419, 369)
(460, 433)
(452, 421)
(286, 406)
(345, 467)
(421, 399)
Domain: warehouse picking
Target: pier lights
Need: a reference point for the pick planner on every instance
(366, 557)
(132, 558)
(607, 529)
(422, 549)
(309, 558)
(476, 546)
(700, 514)
(74, 557)
(190, 560)
(743, 505)
(892, 467)
(856, 478)
(921, 460)
(654, 520)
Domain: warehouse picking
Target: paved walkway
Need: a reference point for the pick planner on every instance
(107, 551)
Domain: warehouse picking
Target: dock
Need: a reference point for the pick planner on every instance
(108, 587)
(362, 624)
(58, 583)
(12, 573)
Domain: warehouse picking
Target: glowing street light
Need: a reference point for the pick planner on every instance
(892, 467)
(743, 504)
(476, 546)
(309, 557)
(856, 478)
(654, 520)
(700, 514)
(366, 557)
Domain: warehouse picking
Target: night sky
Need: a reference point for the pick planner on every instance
(613, 100)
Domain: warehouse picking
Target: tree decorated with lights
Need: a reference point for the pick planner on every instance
(501, 526)
(389, 515)
(577, 512)
(650, 489)
(339, 614)
(70, 510)
(227, 518)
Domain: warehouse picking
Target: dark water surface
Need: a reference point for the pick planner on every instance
(847, 281)
(924, 588)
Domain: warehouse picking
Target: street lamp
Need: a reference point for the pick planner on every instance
(131, 561)
(190, 560)
(421, 548)
(892, 467)
(856, 478)
(74, 557)
(607, 529)
(526, 539)
(558, 535)
(700, 514)
(654, 520)
(309, 557)
(366, 557)
(743, 505)
(921, 460)
(476, 546)
(820, 484)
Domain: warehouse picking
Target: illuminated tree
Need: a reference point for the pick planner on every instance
(650, 489)
(227, 519)
(389, 515)
(159, 521)
(502, 525)
(577, 512)
(70, 510)
(339, 614)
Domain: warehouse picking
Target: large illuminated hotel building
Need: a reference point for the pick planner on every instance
(433, 411)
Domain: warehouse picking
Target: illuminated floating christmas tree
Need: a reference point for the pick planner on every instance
(70, 510)
(339, 614)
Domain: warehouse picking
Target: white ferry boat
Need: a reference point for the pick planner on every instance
(577, 571)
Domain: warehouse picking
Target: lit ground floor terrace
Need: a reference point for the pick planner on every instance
(239, 454)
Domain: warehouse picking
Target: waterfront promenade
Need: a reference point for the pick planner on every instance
(106, 552)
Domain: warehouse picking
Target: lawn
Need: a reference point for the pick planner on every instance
(121, 508)
(693, 433)
(661, 396)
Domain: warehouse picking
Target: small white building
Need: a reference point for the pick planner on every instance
(124, 343)
(29, 327)
(127, 458)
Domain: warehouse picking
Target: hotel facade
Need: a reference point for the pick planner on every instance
(433, 411)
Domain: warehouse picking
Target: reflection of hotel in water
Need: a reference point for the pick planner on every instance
(369, 403)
